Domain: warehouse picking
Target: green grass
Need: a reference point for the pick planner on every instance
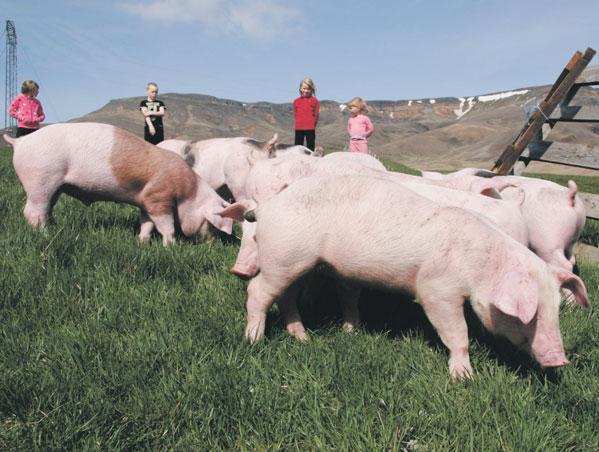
(107, 344)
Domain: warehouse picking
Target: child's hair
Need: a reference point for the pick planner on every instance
(151, 84)
(309, 83)
(359, 103)
(29, 87)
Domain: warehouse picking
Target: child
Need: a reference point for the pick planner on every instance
(26, 109)
(306, 109)
(153, 111)
(358, 126)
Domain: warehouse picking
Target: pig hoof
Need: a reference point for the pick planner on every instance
(302, 336)
(460, 369)
(297, 330)
(350, 327)
(254, 333)
(461, 374)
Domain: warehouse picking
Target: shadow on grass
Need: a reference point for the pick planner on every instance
(398, 316)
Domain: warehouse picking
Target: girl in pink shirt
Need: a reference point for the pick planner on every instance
(358, 126)
(26, 109)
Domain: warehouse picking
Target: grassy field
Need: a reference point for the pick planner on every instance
(107, 344)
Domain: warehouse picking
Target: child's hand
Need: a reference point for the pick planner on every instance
(152, 130)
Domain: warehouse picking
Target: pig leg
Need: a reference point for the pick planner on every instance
(146, 226)
(37, 211)
(288, 306)
(246, 264)
(262, 293)
(164, 221)
(446, 314)
(349, 294)
(40, 200)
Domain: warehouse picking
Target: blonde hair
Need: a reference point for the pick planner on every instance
(151, 84)
(359, 103)
(29, 87)
(309, 83)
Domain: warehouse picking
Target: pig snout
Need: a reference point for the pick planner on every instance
(549, 351)
(555, 358)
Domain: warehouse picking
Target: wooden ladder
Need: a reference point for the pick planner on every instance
(531, 142)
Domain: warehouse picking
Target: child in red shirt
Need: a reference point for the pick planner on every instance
(306, 109)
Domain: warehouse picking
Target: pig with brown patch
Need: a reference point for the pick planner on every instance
(372, 232)
(100, 162)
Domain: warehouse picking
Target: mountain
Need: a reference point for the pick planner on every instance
(442, 133)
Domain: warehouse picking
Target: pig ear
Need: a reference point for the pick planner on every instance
(570, 281)
(221, 223)
(234, 211)
(434, 175)
(318, 152)
(516, 297)
(270, 147)
(237, 210)
(490, 187)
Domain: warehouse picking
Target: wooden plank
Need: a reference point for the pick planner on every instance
(571, 64)
(572, 154)
(591, 202)
(590, 76)
(537, 119)
(585, 252)
(576, 114)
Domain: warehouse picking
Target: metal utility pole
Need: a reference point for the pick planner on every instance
(10, 90)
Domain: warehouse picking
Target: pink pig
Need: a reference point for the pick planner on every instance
(555, 215)
(503, 213)
(97, 162)
(374, 232)
(357, 158)
(268, 177)
(226, 161)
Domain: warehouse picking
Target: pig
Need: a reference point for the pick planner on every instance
(356, 157)
(503, 213)
(373, 232)
(100, 162)
(555, 215)
(225, 162)
(268, 177)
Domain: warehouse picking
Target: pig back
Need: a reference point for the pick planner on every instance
(367, 229)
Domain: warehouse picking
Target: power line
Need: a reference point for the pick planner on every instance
(10, 88)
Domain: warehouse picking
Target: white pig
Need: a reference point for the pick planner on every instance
(555, 215)
(97, 162)
(358, 158)
(374, 232)
(268, 177)
(504, 213)
(226, 161)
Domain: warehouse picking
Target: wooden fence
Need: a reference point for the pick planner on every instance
(532, 143)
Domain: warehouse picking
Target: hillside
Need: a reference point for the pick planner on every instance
(443, 133)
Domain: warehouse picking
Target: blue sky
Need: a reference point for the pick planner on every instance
(84, 53)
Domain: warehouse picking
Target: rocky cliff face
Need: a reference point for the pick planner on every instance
(442, 133)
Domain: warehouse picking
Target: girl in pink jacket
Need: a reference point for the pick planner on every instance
(358, 126)
(26, 109)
